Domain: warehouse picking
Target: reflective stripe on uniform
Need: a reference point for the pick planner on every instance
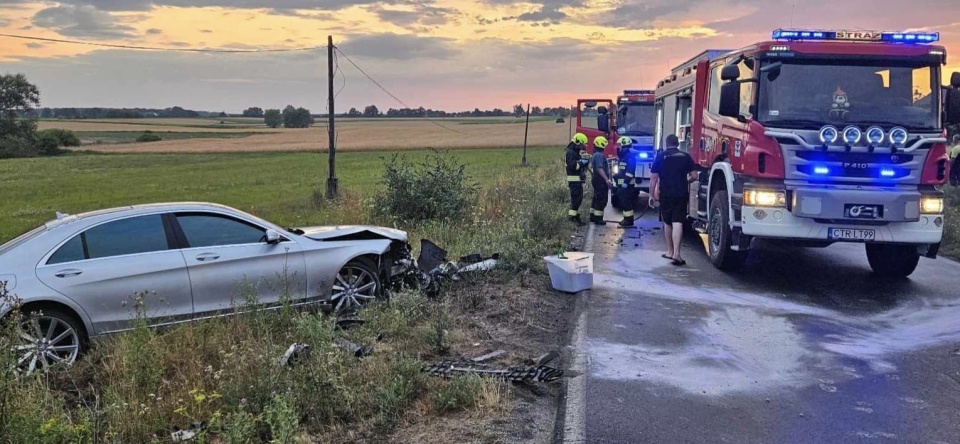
(573, 178)
(628, 213)
(573, 212)
(597, 213)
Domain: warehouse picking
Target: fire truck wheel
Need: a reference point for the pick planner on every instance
(895, 261)
(721, 238)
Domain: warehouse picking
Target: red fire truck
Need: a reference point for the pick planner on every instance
(812, 138)
(635, 118)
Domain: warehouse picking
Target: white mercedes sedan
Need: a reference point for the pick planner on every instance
(82, 276)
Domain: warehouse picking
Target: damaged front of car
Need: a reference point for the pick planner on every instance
(396, 264)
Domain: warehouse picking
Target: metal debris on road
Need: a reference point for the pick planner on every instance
(294, 354)
(547, 358)
(357, 350)
(539, 373)
(489, 356)
(187, 435)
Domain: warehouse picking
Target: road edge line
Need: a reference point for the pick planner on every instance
(573, 405)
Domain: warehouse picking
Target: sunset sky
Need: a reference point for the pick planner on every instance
(446, 54)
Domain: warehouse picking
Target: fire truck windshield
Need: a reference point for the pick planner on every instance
(637, 119)
(810, 94)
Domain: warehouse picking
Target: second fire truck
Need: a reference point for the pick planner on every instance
(812, 138)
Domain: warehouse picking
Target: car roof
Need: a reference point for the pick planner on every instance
(187, 206)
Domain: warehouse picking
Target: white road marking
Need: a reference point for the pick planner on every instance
(574, 420)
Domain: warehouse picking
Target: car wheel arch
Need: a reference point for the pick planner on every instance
(49, 304)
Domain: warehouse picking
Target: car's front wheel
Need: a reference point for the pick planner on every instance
(356, 284)
(46, 338)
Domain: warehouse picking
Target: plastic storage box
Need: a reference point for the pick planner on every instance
(572, 274)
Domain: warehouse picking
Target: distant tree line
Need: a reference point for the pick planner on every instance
(116, 113)
(518, 110)
(290, 117)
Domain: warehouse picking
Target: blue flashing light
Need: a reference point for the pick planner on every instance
(821, 170)
(857, 36)
(644, 155)
(887, 172)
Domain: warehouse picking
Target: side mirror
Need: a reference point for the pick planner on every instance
(951, 108)
(730, 100)
(730, 73)
(273, 237)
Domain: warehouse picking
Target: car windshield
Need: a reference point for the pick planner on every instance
(810, 94)
(636, 119)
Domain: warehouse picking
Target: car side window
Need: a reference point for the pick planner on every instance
(143, 234)
(209, 230)
(71, 251)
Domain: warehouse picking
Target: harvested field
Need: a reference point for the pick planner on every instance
(353, 135)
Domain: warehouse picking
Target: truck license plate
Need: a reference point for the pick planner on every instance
(852, 234)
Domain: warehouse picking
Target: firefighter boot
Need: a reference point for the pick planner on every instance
(598, 219)
(627, 221)
(576, 219)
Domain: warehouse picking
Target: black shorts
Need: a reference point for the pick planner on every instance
(673, 210)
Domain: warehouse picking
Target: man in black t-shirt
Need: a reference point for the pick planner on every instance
(670, 178)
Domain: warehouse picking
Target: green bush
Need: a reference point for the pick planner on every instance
(436, 189)
(149, 137)
(47, 144)
(63, 137)
(16, 146)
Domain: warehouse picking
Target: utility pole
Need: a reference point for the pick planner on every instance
(570, 129)
(526, 130)
(332, 186)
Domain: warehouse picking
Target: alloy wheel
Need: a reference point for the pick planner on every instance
(354, 287)
(46, 341)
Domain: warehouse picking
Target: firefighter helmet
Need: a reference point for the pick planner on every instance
(579, 139)
(625, 141)
(600, 142)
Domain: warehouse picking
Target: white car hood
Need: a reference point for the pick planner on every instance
(326, 233)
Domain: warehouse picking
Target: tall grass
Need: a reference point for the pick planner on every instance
(224, 373)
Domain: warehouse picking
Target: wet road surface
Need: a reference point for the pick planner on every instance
(804, 345)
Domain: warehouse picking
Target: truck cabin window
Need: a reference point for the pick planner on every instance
(636, 119)
(808, 95)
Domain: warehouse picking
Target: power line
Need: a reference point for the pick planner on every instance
(386, 91)
(154, 48)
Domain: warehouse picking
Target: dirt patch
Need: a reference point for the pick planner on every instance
(352, 135)
(524, 317)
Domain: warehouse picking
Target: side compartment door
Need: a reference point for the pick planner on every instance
(231, 264)
(595, 117)
(104, 268)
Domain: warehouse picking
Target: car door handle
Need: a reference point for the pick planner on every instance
(208, 257)
(68, 273)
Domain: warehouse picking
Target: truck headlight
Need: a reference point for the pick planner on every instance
(931, 205)
(765, 198)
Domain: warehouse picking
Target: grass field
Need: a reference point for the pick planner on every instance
(276, 186)
(352, 134)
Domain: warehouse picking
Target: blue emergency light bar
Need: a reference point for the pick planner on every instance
(638, 92)
(856, 36)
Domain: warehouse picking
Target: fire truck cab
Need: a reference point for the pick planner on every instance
(631, 115)
(813, 138)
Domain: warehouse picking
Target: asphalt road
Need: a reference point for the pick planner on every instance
(803, 346)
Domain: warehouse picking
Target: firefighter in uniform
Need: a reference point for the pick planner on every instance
(627, 182)
(600, 180)
(576, 175)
